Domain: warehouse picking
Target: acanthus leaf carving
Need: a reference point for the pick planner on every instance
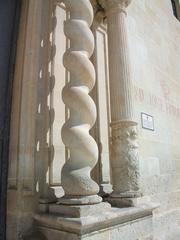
(125, 155)
(109, 4)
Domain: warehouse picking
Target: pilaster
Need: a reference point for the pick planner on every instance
(22, 197)
(100, 94)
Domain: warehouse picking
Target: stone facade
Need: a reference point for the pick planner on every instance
(125, 184)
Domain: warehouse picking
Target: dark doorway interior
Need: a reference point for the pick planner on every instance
(9, 19)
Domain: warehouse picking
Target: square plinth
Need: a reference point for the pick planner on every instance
(81, 220)
(78, 211)
(124, 202)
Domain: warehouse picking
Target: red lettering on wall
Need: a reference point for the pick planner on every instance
(155, 101)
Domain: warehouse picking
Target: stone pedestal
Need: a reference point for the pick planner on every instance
(95, 222)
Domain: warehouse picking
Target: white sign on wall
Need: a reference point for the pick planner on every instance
(147, 121)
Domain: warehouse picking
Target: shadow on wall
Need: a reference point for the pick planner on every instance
(45, 110)
(35, 236)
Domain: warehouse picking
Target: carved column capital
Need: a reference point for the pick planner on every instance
(95, 5)
(99, 13)
(109, 5)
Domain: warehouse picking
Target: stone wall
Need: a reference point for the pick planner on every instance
(154, 37)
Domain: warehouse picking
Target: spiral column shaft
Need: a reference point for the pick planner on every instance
(76, 180)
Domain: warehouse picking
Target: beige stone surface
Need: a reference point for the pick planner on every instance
(154, 36)
(22, 197)
(112, 223)
(100, 94)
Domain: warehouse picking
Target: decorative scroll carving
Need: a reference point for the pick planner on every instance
(78, 186)
(107, 5)
(125, 156)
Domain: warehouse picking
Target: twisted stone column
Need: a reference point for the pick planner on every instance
(76, 180)
(124, 159)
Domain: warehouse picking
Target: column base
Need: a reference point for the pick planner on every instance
(80, 200)
(136, 201)
(128, 194)
(44, 204)
(105, 189)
